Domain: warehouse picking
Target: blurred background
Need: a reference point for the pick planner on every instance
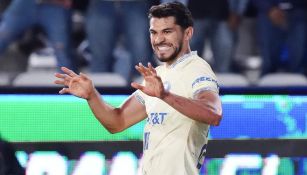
(258, 49)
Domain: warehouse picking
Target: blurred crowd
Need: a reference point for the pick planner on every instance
(112, 35)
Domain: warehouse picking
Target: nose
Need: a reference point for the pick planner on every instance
(159, 39)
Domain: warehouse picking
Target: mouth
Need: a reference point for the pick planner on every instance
(163, 48)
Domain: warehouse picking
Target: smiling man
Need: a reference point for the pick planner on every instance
(178, 99)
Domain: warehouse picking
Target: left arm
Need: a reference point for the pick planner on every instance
(205, 108)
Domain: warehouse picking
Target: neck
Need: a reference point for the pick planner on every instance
(188, 50)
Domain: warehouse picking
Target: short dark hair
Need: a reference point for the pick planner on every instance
(182, 14)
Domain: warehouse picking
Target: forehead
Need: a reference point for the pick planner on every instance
(162, 23)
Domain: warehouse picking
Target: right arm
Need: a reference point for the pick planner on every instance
(117, 119)
(113, 119)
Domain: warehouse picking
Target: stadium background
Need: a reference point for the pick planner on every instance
(262, 132)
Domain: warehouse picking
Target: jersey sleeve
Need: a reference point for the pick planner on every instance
(200, 79)
(139, 95)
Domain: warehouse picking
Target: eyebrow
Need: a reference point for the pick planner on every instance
(168, 29)
(152, 30)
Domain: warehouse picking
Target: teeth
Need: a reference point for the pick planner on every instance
(163, 48)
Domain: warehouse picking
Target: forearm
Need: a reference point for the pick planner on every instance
(200, 110)
(107, 115)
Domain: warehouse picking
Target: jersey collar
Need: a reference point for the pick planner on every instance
(183, 58)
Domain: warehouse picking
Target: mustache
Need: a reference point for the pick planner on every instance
(163, 44)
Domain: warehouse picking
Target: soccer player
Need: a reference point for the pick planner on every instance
(178, 99)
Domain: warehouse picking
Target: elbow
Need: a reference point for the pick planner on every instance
(116, 125)
(114, 130)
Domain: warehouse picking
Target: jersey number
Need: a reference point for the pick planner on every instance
(146, 139)
(201, 156)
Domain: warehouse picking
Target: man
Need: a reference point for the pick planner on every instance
(179, 99)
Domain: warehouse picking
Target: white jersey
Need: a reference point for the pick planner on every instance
(173, 143)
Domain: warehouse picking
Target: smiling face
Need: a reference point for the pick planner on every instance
(168, 40)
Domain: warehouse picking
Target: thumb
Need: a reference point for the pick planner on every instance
(137, 85)
(64, 91)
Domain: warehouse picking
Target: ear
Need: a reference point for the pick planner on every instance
(188, 33)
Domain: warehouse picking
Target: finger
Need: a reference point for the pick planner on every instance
(65, 79)
(58, 75)
(60, 82)
(137, 85)
(84, 76)
(152, 69)
(63, 76)
(138, 68)
(142, 68)
(64, 91)
(68, 71)
(145, 70)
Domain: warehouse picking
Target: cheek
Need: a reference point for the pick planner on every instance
(174, 42)
(174, 39)
(151, 41)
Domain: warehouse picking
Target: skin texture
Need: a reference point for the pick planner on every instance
(169, 42)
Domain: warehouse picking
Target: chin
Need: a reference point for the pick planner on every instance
(166, 59)
(163, 59)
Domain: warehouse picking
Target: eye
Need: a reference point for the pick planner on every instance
(152, 32)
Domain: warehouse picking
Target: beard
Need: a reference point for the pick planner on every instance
(173, 56)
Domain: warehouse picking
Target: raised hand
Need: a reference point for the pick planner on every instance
(153, 83)
(78, 85)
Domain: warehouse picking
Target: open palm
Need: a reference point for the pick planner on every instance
(153, 83)
(78, 85)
